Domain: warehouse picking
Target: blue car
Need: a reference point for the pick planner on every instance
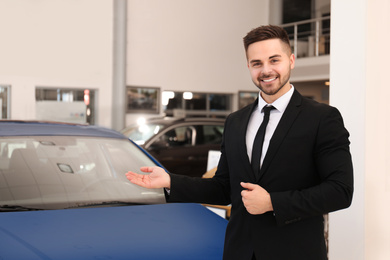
(64, 195)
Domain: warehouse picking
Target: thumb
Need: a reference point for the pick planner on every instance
(248, 186)
(146, 169)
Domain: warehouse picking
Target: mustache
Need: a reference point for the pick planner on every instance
(268, 76)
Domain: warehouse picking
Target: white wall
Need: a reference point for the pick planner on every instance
(347, 92)
(191, 45)
(377, 168)
(359, 87)
(56, 43)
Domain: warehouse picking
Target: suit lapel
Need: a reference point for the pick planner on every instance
(242, 144)
(285, 123)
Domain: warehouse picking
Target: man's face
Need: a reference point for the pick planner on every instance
(270, 64)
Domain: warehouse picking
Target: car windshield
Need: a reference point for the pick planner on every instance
(143, 132)
(54, 172)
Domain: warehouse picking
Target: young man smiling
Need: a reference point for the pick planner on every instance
(304, 171)
(270, 63)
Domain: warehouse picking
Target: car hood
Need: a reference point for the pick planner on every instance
(166, 231)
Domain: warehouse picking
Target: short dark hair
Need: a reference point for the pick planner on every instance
(266, 32)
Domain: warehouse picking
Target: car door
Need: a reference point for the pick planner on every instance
(208, 137)
(174, 150)
(184, 149)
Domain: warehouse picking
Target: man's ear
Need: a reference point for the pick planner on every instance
(292, 60)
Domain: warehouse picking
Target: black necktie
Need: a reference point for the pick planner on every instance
(258, 143)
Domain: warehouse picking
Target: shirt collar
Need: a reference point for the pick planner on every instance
(280, 104)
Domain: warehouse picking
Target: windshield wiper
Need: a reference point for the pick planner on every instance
(7, 208)
(105, 204)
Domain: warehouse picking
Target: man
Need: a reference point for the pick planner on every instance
(304, 171)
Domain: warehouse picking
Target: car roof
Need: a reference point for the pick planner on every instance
(40, 128)
(175, 120)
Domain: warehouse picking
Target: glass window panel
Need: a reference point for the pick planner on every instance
(198, 102)
(199, 105)
(219, 102)
(4, 101)
(176, 102)
(69, 95)
(209, 134)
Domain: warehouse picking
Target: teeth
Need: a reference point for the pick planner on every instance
(268, 80)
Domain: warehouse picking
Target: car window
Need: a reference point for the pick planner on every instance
(209, 134)
(60, 172)
(179, 136)
(141, 133)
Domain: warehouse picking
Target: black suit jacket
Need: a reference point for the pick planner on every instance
(307, 171)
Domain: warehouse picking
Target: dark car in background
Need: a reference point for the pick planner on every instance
(64, 195)
(182, 145)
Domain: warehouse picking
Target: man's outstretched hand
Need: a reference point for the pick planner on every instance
(158, 178)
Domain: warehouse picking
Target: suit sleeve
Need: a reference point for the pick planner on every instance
(333, 165)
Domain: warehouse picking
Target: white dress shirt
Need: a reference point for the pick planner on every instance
(257, 118)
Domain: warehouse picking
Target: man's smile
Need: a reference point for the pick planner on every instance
(268, 80)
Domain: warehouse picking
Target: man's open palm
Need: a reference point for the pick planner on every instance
(158, 178)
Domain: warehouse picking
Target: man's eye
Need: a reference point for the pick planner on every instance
(257, 64)
(274, 60)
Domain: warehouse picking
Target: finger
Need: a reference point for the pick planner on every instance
(248, 186)
(135, 177)
(131, 175)
(146, 169)
(140, 181)
(245, 195)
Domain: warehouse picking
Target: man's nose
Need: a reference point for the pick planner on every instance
(266, 69)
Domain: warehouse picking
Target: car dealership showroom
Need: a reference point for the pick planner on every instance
(194, 129)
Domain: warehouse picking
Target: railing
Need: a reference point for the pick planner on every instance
(309, 38)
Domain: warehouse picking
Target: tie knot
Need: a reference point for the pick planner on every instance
(267, 109)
